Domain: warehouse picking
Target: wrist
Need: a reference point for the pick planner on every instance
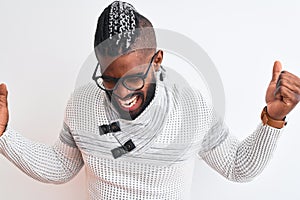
(268, 120)
(2, 129)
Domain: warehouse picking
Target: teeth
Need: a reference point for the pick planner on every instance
(129, 102)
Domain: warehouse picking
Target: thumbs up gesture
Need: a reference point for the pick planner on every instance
(3, 108)
(283, 92)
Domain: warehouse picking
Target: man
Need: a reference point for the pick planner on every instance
(137, 128)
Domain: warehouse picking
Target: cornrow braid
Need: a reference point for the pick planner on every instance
(120, 28)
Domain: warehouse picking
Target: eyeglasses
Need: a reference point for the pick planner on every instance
(131, 82)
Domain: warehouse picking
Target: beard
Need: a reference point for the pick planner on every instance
(131, 115)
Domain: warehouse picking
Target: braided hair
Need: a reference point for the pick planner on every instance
(121, 29)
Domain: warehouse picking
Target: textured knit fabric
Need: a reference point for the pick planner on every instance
(177, 125)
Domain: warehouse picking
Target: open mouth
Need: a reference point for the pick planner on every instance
(130, 104)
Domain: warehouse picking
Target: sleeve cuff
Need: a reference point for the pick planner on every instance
(267, 119)
(5, 137)
(270, 132)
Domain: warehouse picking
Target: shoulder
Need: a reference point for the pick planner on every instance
(180, 89)
(86, 92)
(84, 99)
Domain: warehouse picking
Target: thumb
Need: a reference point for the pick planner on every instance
(3, 108)
(276, 71)
(3, 92)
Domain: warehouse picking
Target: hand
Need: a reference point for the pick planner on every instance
(283, 92)
(3, 108)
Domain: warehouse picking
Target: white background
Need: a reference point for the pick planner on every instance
(44, 43)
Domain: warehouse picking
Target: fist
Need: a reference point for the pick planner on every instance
(3, 108)
(283, 92)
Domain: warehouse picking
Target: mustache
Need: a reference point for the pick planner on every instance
(128, 96)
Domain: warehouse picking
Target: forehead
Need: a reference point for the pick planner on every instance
(127, 63)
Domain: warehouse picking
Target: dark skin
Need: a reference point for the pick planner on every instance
(283, 92)
(3, 108)
(282, 95)
(133, 63)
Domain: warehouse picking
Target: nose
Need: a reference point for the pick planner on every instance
(121, 91)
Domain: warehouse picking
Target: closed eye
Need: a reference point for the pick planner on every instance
(109, 79)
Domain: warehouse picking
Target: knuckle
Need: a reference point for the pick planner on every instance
(279, 89)
(297, 97)
(279, 83)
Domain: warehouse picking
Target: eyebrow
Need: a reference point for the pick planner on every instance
(113, 78)
(109, 77)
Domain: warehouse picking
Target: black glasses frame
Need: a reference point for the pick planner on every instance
(122, 79)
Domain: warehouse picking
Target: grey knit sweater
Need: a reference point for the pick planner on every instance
(177, 126)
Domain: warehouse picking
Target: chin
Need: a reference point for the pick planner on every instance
(133, 106)
(130, 113)
(133, 115)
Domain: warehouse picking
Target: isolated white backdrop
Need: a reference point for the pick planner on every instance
(44, 43)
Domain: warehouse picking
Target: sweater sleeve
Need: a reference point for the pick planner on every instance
(241, 161)
(50, 164)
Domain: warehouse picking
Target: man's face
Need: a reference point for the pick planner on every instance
(130, 103)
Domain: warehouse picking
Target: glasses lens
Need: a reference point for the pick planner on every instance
(133, 83)
(105, 84)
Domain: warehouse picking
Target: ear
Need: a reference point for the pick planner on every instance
(158, 60)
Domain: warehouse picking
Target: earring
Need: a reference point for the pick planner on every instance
(161, 76)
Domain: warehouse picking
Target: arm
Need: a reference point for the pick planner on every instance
(49, 164)
(242, 161)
